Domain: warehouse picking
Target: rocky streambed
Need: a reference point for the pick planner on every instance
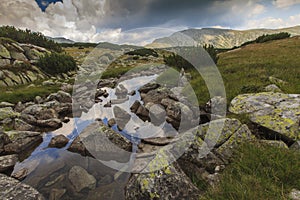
(138, 139)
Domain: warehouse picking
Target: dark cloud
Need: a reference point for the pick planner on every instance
(131, 14)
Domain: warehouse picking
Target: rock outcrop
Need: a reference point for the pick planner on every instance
(17, 63)
(277, 112)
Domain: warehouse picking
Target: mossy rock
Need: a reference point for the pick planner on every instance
(4, 53)
(8, 113)
(275, 111)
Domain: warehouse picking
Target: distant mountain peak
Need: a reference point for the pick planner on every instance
(220, 38)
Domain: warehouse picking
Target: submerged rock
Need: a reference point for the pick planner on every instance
(81, 179)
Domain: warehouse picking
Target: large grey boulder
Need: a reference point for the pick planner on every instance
(168, 183)
(12, 189)
(275, 111)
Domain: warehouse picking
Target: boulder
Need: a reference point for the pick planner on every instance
(4, 53)
(111, 122)
(33, 54)
(167, 183)
(81, 179)
(104, 143)
(8, 162)
(121, 117)
(277, 112)
(77, 146)
(40, 112)
(48, 83)
(121, 91)
(57, 194)
(8, 112)
(50, 123)
(21, 125)
(4, 140)
(135, 106)
(59, 141)
(4, 62)
(273, 88)
(150, 86)
(294, 194)
(277, 81)
(12, 189)
(6, 104)
(18, 56)
(60, 96)
(22, 140)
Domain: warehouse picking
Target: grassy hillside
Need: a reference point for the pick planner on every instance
(248, 69)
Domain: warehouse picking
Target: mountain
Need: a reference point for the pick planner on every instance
(220, 38)
(61, 40)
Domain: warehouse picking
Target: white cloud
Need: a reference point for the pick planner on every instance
(273, 23)
(285, 3)
(237, 11)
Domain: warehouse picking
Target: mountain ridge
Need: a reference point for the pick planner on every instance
(220, 38)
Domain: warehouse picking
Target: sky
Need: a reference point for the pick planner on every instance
(141, 21)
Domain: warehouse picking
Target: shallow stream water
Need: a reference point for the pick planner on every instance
(48, 168)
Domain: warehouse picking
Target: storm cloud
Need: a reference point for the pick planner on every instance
(122, 21)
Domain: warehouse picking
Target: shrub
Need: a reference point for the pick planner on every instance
(212, 52)
(267, 37)
(143, 52)
(28, 36)
(56, 63)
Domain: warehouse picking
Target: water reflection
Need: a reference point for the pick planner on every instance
(47, 169)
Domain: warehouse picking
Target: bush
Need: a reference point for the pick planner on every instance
(27, 36)
(143, 52)
(56, 63)
(177, 62)
(212, 52)
(266, 38)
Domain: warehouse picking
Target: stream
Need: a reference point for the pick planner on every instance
(48, 168)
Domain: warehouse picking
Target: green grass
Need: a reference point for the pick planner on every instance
(258, 172)
(247, 69)
(115, 72)
(24, 93)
